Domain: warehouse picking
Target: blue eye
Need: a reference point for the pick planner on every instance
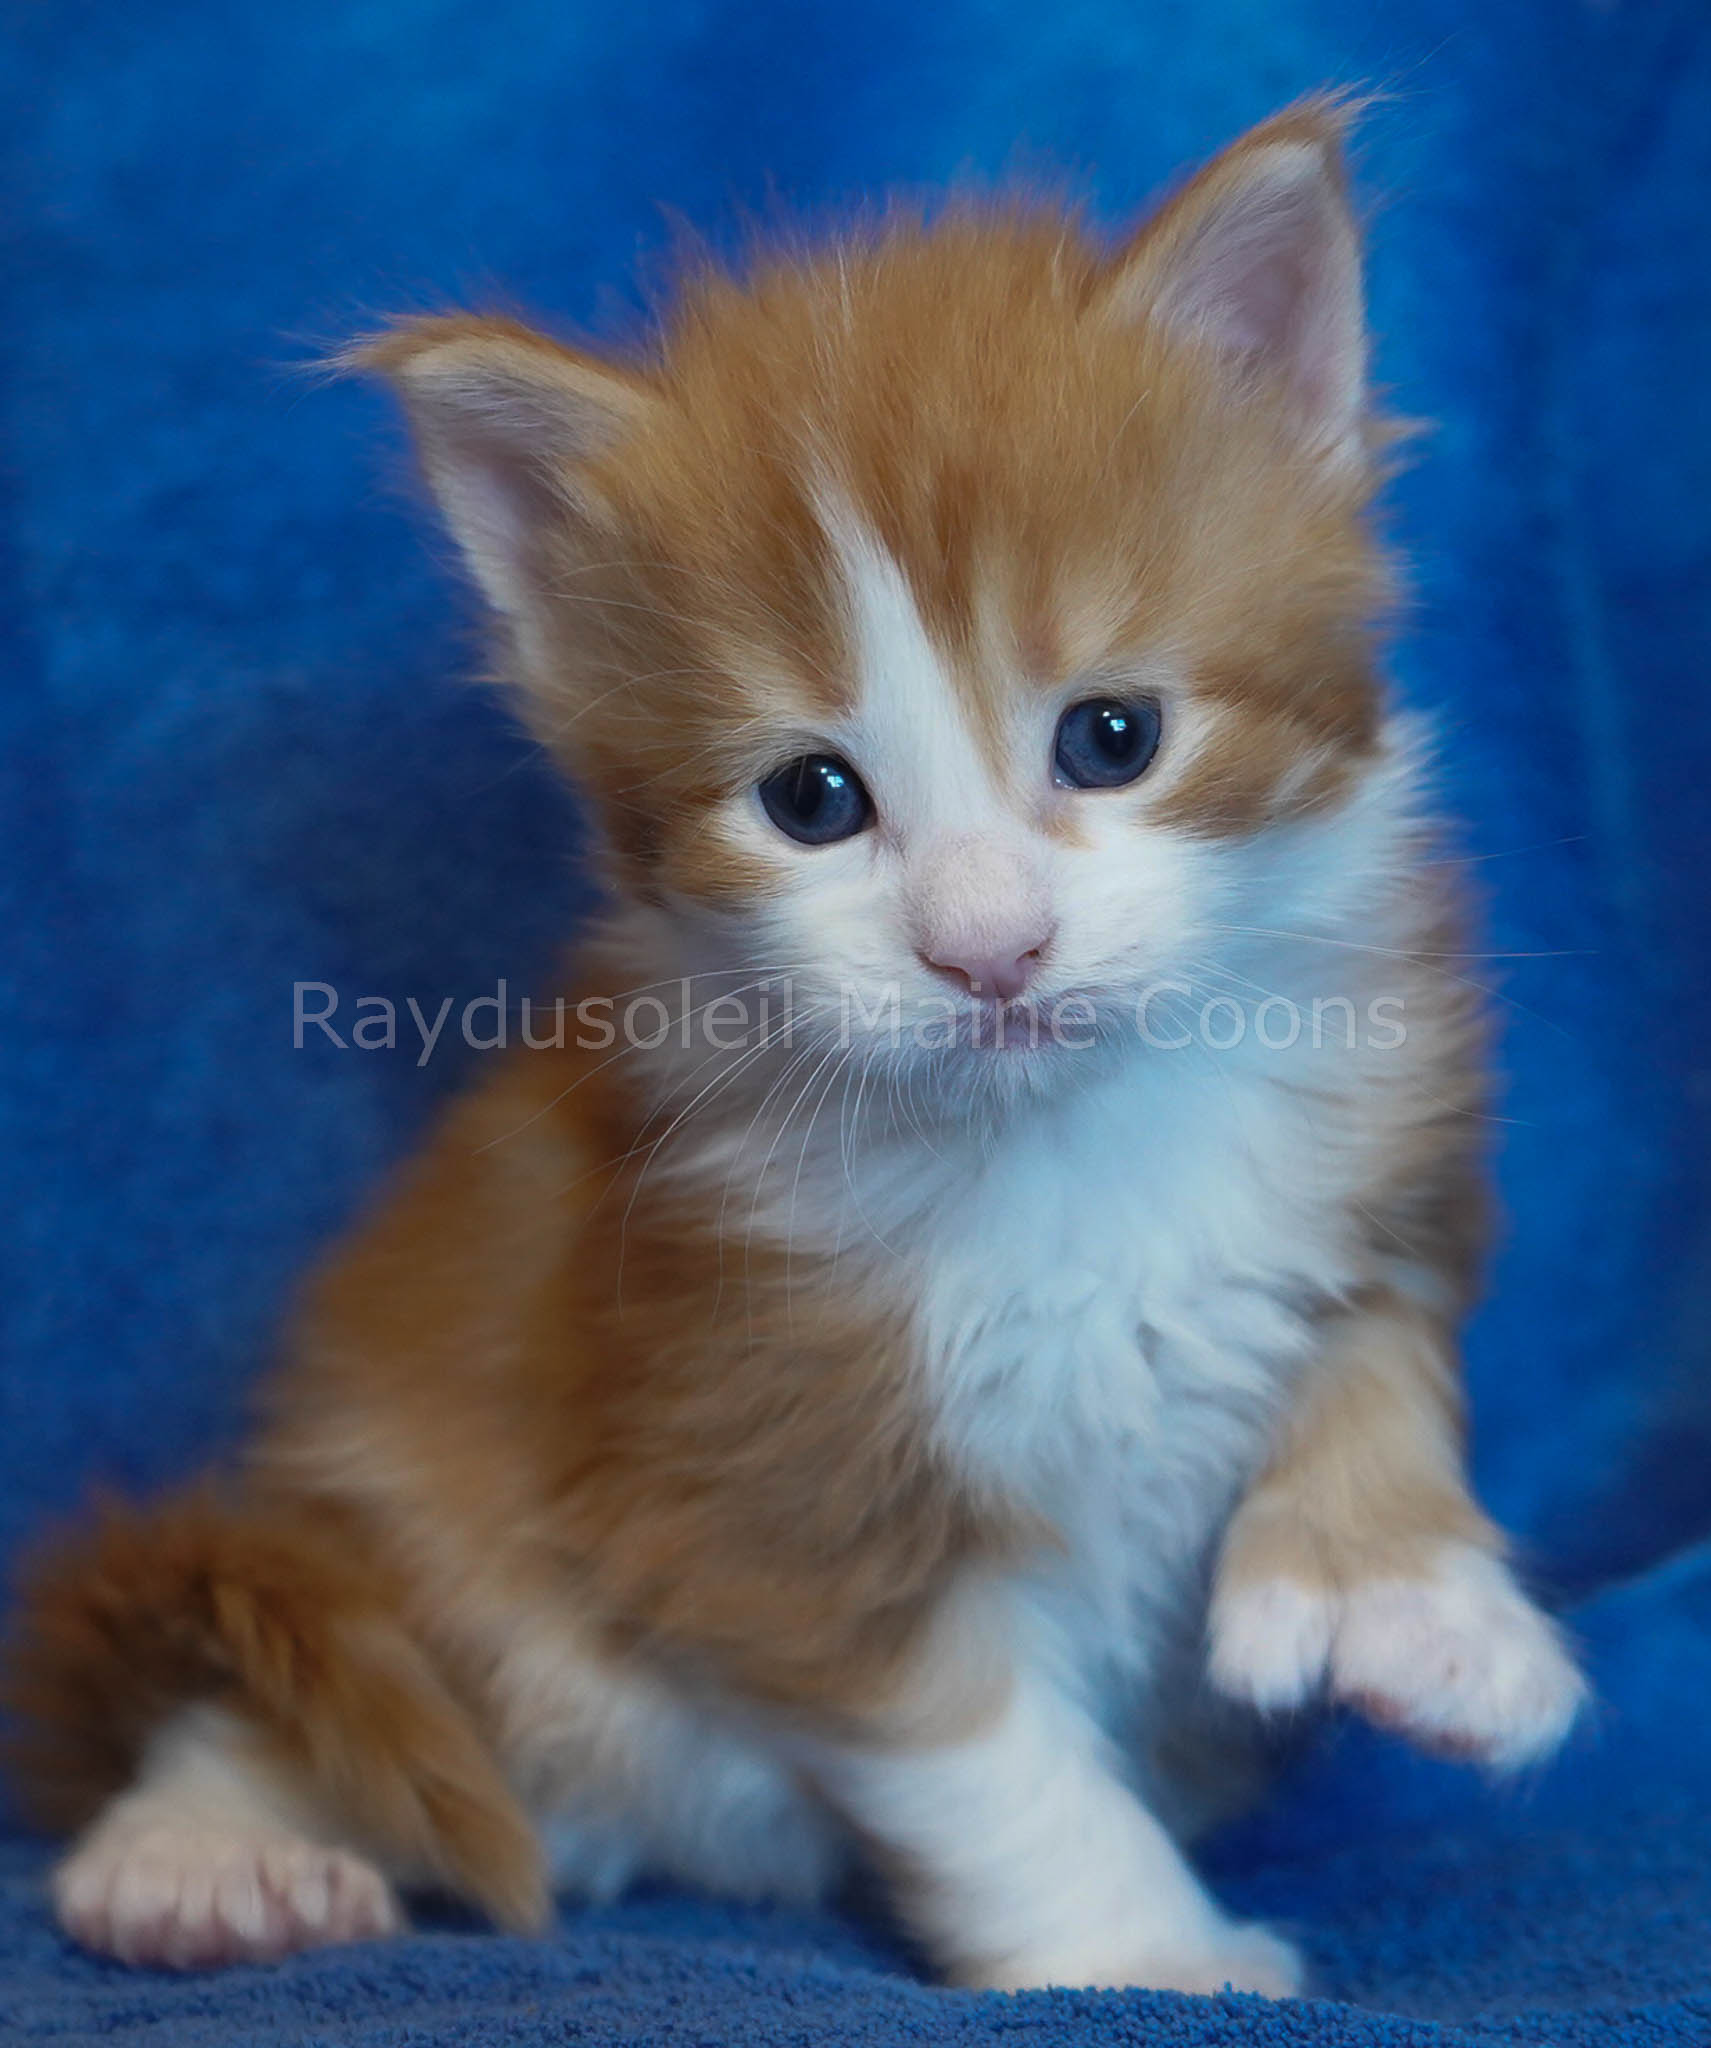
(817, 799)
(1104, 743)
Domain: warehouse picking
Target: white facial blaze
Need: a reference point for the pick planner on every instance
(968, 876)
(975, 878)
(915, 740)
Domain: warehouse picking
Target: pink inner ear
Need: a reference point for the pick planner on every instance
(1271, 274)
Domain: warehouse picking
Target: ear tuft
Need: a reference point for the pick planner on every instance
(505, 421)
(1260, 258)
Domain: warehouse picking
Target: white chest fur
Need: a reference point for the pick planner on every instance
(1110, 1304)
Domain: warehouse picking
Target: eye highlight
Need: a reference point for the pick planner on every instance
(1105, 743)
(817, 799)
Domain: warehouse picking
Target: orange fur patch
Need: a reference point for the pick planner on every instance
(1366, 1482)
(541, 1361)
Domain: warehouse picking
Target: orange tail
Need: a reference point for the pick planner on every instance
(282, 1621)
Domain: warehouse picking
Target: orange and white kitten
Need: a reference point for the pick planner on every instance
(729, 1446)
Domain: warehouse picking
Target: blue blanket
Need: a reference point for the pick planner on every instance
(237, 750)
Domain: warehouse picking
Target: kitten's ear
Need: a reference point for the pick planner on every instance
(505, 421)
(1260, 257)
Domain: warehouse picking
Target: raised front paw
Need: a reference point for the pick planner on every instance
(1457, 1658)
(186, 1895)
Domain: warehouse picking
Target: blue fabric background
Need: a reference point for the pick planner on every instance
(236, 750)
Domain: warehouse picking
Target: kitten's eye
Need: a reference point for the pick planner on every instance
(1104, 743)
(817, 799)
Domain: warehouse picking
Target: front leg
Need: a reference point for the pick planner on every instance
(1022, 1858)
(1360, 1566)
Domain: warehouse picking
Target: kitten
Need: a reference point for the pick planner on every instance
(728, 1446)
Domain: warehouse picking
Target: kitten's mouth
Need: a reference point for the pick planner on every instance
(1011, 1027)
(978, 1027)
(1004, 1027)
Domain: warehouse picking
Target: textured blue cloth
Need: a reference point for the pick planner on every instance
(236, 752)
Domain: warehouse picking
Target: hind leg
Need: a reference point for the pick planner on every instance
(209, 1858)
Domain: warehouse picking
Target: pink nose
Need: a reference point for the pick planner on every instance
(1000, 974)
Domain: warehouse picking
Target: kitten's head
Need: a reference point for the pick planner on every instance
(959, 609)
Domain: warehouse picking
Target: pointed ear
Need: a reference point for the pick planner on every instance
(505, 422)
(1260, 258)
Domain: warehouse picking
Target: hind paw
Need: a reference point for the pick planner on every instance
(184, 1894)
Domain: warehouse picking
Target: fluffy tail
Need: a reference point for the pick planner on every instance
(281, 1620)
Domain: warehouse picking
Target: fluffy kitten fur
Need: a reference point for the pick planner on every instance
(705, 1461)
